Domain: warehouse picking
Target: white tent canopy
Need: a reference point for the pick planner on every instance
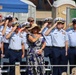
(62, 2)
(28, 2)
(23, 16)
(31, 9)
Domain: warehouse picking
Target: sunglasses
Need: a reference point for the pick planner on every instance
(60, 23)
(32, 21)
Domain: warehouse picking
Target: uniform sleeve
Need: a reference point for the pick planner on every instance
(51, 32)
(1, 36)
(22, 40)
(66, 37)
(44, 30)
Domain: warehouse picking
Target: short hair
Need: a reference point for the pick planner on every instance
(30, 18)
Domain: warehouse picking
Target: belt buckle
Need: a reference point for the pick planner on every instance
(50, 46)
(17, 50)
(61, 47)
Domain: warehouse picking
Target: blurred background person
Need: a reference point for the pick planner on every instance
(24, 32)
(1, 20)
(16, 47)
(48, 39)
(30, 20)
(8, 29)
(2, 33)
(60, 46)
(72, 43)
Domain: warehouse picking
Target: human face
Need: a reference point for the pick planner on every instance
(35, 30)
(74, 26)
(62, 25)
(31, 22)
(17, 29)
(10, 24)
(49, 24)
(59, 25)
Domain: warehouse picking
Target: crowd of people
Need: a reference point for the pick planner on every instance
(54, 40)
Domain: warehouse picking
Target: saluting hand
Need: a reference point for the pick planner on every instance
(46, 24)
(22, 29)
(14, 28)
(6, 22)
(55, 24)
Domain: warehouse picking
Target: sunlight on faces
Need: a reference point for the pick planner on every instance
(60, 25)
(74, 25)
(49, 24)
(10, 23)
(31, 22)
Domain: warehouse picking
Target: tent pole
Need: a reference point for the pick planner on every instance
(13, 14)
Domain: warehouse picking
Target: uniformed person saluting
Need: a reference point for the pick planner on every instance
(8, 29)
(48, 49)
(60, 46)
(72, 43)
(16, 47)
(1, 41)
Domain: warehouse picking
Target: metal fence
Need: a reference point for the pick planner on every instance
(18, 70)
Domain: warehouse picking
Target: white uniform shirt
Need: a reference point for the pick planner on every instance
(72, 37)
(7, 31)
(48, 39)
(0, 38)
(59, 37)
(1, 28)
(24, 36)
(15, 42)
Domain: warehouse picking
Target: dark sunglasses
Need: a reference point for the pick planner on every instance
(32, 21)
(60, 23)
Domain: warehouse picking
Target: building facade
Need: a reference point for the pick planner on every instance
(42, 7)
(42, 4)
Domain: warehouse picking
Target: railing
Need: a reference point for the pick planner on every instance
(18, 70)
(17, 67)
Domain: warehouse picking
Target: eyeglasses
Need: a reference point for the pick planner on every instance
(60, 23)
(32, 21)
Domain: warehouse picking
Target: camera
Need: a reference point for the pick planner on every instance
(9, 18)
(15, 24)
